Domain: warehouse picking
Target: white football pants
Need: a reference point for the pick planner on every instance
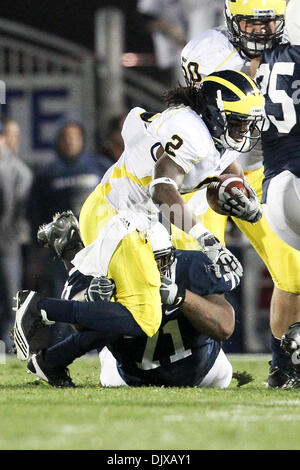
(219, 376)
(282, 209)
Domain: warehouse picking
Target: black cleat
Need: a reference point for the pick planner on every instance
(289, 376)
(292, 382)
(61, 234)
(283, 377)
(55, 376)
(29, 320)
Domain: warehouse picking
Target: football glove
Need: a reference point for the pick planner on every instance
(220, 256)
(171, 293)
(290, 342)
(241, 206)
(100, 288)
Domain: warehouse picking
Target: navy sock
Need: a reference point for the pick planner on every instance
(279, 358)
(58, 310)
(108, 318)
(64, 353)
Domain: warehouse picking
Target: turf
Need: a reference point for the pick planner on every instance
(35, 416)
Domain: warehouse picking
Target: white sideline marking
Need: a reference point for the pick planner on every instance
(250, 357)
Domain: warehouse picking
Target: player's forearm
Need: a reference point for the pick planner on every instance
(211, 315)
(172, 206)
(165, 193)
(234, 168)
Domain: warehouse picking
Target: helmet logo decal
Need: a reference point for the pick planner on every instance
(257, 13)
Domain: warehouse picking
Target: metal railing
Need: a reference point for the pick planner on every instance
(27, 52)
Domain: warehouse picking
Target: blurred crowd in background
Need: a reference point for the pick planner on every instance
(31, 195)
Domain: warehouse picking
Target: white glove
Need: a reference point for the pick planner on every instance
(100, 288)
(241, 206)
(170, 292)
(219, 255)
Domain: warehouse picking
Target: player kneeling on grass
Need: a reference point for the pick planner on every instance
(185, 352)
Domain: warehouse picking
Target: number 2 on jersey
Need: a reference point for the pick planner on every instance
(174, 144)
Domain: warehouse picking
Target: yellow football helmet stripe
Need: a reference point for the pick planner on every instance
(250, 7)
(226, 83)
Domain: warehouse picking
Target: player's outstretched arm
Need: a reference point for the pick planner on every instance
(212, 315)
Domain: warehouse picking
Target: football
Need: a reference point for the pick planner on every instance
(215, 190)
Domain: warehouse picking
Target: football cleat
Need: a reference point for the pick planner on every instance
(29, 319)
(283, 377)
(278, 376)
(55, 376)
(290, 342)
(61, 234)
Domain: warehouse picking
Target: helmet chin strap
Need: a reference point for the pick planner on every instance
(255, 48)
(234, 144)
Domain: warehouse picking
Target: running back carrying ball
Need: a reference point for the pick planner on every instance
(232, 195)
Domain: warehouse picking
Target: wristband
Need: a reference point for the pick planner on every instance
(198, 230)
(163, 180)
(180, 295)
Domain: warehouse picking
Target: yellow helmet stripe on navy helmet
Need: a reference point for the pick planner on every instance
(226, 83)
(246, 104)
(230, 85)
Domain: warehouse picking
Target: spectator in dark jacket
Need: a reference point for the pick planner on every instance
(15, 182)
(62, 185)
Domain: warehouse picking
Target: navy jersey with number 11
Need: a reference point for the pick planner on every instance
(178, 355)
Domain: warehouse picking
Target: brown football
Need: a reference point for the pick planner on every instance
(216, 189)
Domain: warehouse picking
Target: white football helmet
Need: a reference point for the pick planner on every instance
(164, 252)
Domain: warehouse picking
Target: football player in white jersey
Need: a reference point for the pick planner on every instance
(293, 21)
(252, 26)
(165, 155)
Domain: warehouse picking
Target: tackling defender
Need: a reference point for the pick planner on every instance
(252, 27)
(186, 351)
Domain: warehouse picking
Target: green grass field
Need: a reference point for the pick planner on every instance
(35, 416)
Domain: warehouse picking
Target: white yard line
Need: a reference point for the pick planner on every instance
(250, 357)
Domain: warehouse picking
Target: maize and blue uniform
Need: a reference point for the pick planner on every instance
(209, 52)
(124, 190)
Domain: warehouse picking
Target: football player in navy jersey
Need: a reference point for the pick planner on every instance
(278, 73)
(185, 352)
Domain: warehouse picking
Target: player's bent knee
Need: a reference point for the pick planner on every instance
(220, 375)
(109, 374)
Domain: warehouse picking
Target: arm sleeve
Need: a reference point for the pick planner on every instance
(202, 278)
